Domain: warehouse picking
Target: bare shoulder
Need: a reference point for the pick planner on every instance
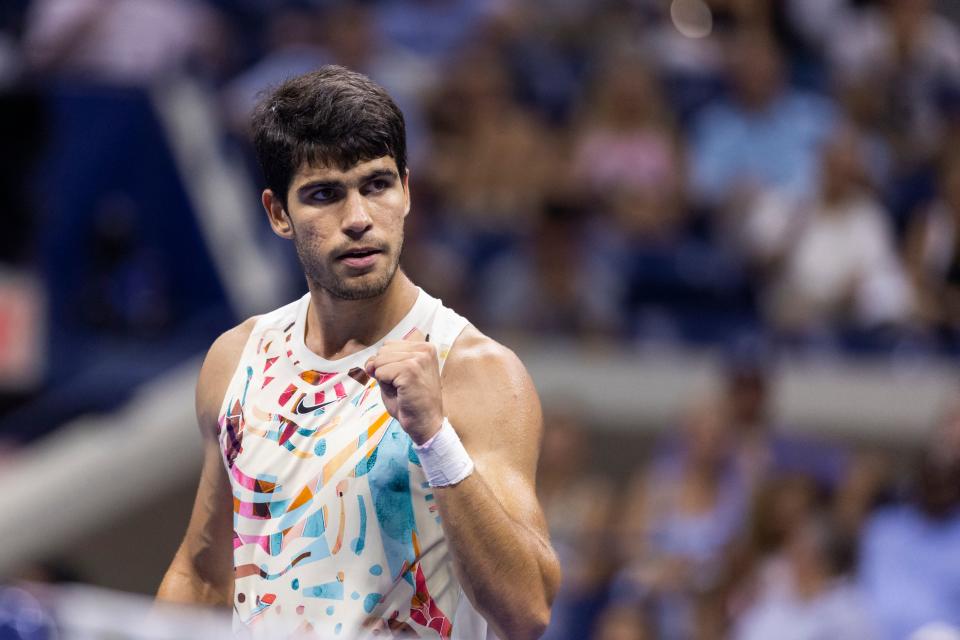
(490, 398)
(475, 355)
(218, 367)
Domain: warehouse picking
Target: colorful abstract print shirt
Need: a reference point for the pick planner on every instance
(336, 531)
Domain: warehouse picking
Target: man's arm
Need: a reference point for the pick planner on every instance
(202, 569)
(492, 519)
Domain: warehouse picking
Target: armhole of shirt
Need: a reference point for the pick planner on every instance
(452, 326)
(246, 355)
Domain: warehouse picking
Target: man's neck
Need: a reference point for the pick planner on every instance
(337, 328)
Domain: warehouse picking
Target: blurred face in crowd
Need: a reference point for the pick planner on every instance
(707, 434)
(757, 69)
(908, 16)
(938, 485)
(950, 184)
(482, 83)
(817, 550)
(947, 436)
(781, 507)
(747, 393)
(795, 499)
(842, 168)
(563, 443)
(347, 226)
(803, 548)
(348, 32)
(628, 95)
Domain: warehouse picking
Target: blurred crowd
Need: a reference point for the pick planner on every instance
(682, 171)
(654, 170)
(732, 527)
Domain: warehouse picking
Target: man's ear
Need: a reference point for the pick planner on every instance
(406, 191)
(276, 214)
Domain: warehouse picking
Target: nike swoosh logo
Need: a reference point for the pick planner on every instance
(300, 409)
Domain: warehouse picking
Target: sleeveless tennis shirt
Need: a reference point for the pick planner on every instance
(336, 531)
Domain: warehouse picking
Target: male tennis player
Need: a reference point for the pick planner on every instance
(369, 455)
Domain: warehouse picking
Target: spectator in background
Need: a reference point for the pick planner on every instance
(759, 564)
(547, 283)
(832, 259)
(433, 31)
(817, 599)
(293, 44)
(298, 39)
(685, 40)
(764, 136)
(946, 438)
(899, 56)
(933, 254)
(815, 20)
(625, 173)
(681, 519)
(626, 141)
(578, 506)
(911, 552)
(622, 621)
(763, 449)
(492, 158)
(866, 484)
(549, 50)
(644, 254)
(133, 42)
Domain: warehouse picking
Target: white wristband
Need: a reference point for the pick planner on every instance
(443, 458)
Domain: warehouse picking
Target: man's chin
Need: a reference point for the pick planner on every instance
(359, 288)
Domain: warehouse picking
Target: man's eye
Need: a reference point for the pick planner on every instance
(379, 185)
(324, 195)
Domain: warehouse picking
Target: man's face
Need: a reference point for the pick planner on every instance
(347, 226)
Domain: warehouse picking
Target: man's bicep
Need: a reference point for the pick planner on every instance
(210, 531)
(203, 566)
(496, 411)
(202, 569)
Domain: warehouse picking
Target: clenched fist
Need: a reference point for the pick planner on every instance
(409, 376)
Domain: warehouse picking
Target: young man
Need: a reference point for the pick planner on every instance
(369, 455)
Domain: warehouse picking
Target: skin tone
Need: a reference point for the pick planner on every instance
(347, 226)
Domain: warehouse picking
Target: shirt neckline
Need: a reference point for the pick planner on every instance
(310, 360)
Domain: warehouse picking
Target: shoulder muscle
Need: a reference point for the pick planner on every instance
(218, 366)
(491, 400)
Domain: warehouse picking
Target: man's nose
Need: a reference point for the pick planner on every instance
(356, 220)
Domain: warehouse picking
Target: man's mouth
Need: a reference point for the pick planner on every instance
(359, 257)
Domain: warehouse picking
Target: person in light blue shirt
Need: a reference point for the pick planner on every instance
(910, 554)
(766, 135)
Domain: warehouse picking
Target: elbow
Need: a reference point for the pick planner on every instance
(533, 625)
(539, 621)
(524, 614)
(526, 622)
(536, 619)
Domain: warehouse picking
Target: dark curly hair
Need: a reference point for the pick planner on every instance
(331, 116)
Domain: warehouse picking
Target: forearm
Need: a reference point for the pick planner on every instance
(507, 568)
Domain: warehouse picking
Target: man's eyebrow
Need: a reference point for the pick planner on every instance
(320, 184)
(379, 173)
(339, 184)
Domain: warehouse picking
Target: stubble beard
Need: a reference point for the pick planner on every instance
(321, 275)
